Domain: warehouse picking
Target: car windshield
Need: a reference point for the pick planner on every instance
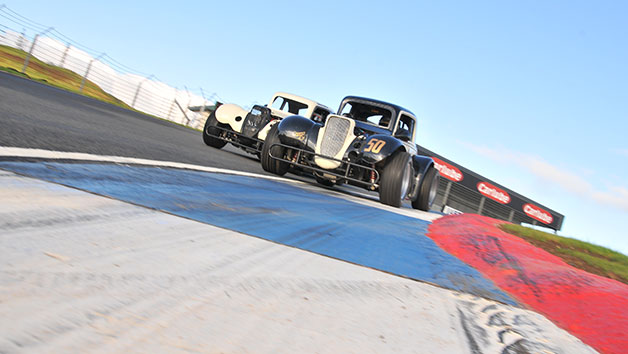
(371, 114)
(287, 105)
(320, 114)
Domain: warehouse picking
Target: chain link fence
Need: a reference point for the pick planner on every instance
(140, 91)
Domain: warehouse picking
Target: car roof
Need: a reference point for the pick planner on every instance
(298, 98)
(395, 107)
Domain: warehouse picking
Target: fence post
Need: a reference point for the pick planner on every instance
(189, 96)
(481, 205)
(65, 55)
(188, 105)
(183, 111)
(202, 110)
(446, 195)
(20, 43)
(28, 55)
(89, 67)
(30, 52)
(171, 107)
(139, 86)
(172, 104)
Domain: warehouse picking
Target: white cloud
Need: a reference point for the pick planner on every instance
(613, 196)
(548, 172)
(617, 197)
(623, 152)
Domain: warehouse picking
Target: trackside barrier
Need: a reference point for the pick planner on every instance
(138, 90)
(464, 191)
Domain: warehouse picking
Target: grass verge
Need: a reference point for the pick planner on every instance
(582, 255)
(12, 61)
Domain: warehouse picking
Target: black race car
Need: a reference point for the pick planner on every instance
(370, 143)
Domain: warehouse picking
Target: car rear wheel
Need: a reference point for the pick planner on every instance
(396, 178)
(268, 163)
(427, 193)
(211, 128)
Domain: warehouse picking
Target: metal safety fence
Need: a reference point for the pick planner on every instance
(465, 191)
(140, 91)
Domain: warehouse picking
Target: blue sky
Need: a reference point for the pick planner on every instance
(533, 95)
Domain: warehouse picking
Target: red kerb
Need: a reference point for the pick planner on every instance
(591, 307)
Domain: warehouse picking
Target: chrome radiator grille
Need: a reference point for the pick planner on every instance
(336, 131)
(252, 124)
(255, 120)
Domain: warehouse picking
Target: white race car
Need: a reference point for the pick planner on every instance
(230, 123)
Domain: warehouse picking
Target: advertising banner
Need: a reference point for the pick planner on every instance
(458, 174)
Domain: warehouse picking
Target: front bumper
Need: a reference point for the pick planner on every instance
(253, 145)
(347, 170)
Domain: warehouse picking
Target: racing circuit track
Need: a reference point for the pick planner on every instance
(341, 272)
(39, 116)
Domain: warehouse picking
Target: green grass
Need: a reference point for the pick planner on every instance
(12, 61)
(583, 255)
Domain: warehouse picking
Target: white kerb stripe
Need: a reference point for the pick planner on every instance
(61, 155)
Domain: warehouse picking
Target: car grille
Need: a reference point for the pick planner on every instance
(336, 131)
(254, 122)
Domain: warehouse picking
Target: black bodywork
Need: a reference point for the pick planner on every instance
(360, 165)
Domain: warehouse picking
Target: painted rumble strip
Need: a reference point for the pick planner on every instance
(81, 273)
(10, 151)
(593, 308)
(279, 212)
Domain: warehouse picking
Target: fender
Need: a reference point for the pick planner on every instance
(421, 165)
(231, 114)
(299, 132)
(264, 132)
(378, 147)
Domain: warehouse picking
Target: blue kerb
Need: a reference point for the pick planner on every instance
(279, 212)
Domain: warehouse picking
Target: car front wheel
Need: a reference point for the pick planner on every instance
(396, 178)
(211, 130)
(268, 163)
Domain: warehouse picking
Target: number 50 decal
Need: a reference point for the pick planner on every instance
(375, 146)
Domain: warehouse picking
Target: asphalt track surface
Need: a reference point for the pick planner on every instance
(37, 116)
(34, 115)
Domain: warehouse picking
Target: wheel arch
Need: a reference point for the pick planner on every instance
(231, 114)
(422, 164)
(299, 132)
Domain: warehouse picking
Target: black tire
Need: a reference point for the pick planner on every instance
(427, 193)
(396, 179)
(268, 163)
(210, 125)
